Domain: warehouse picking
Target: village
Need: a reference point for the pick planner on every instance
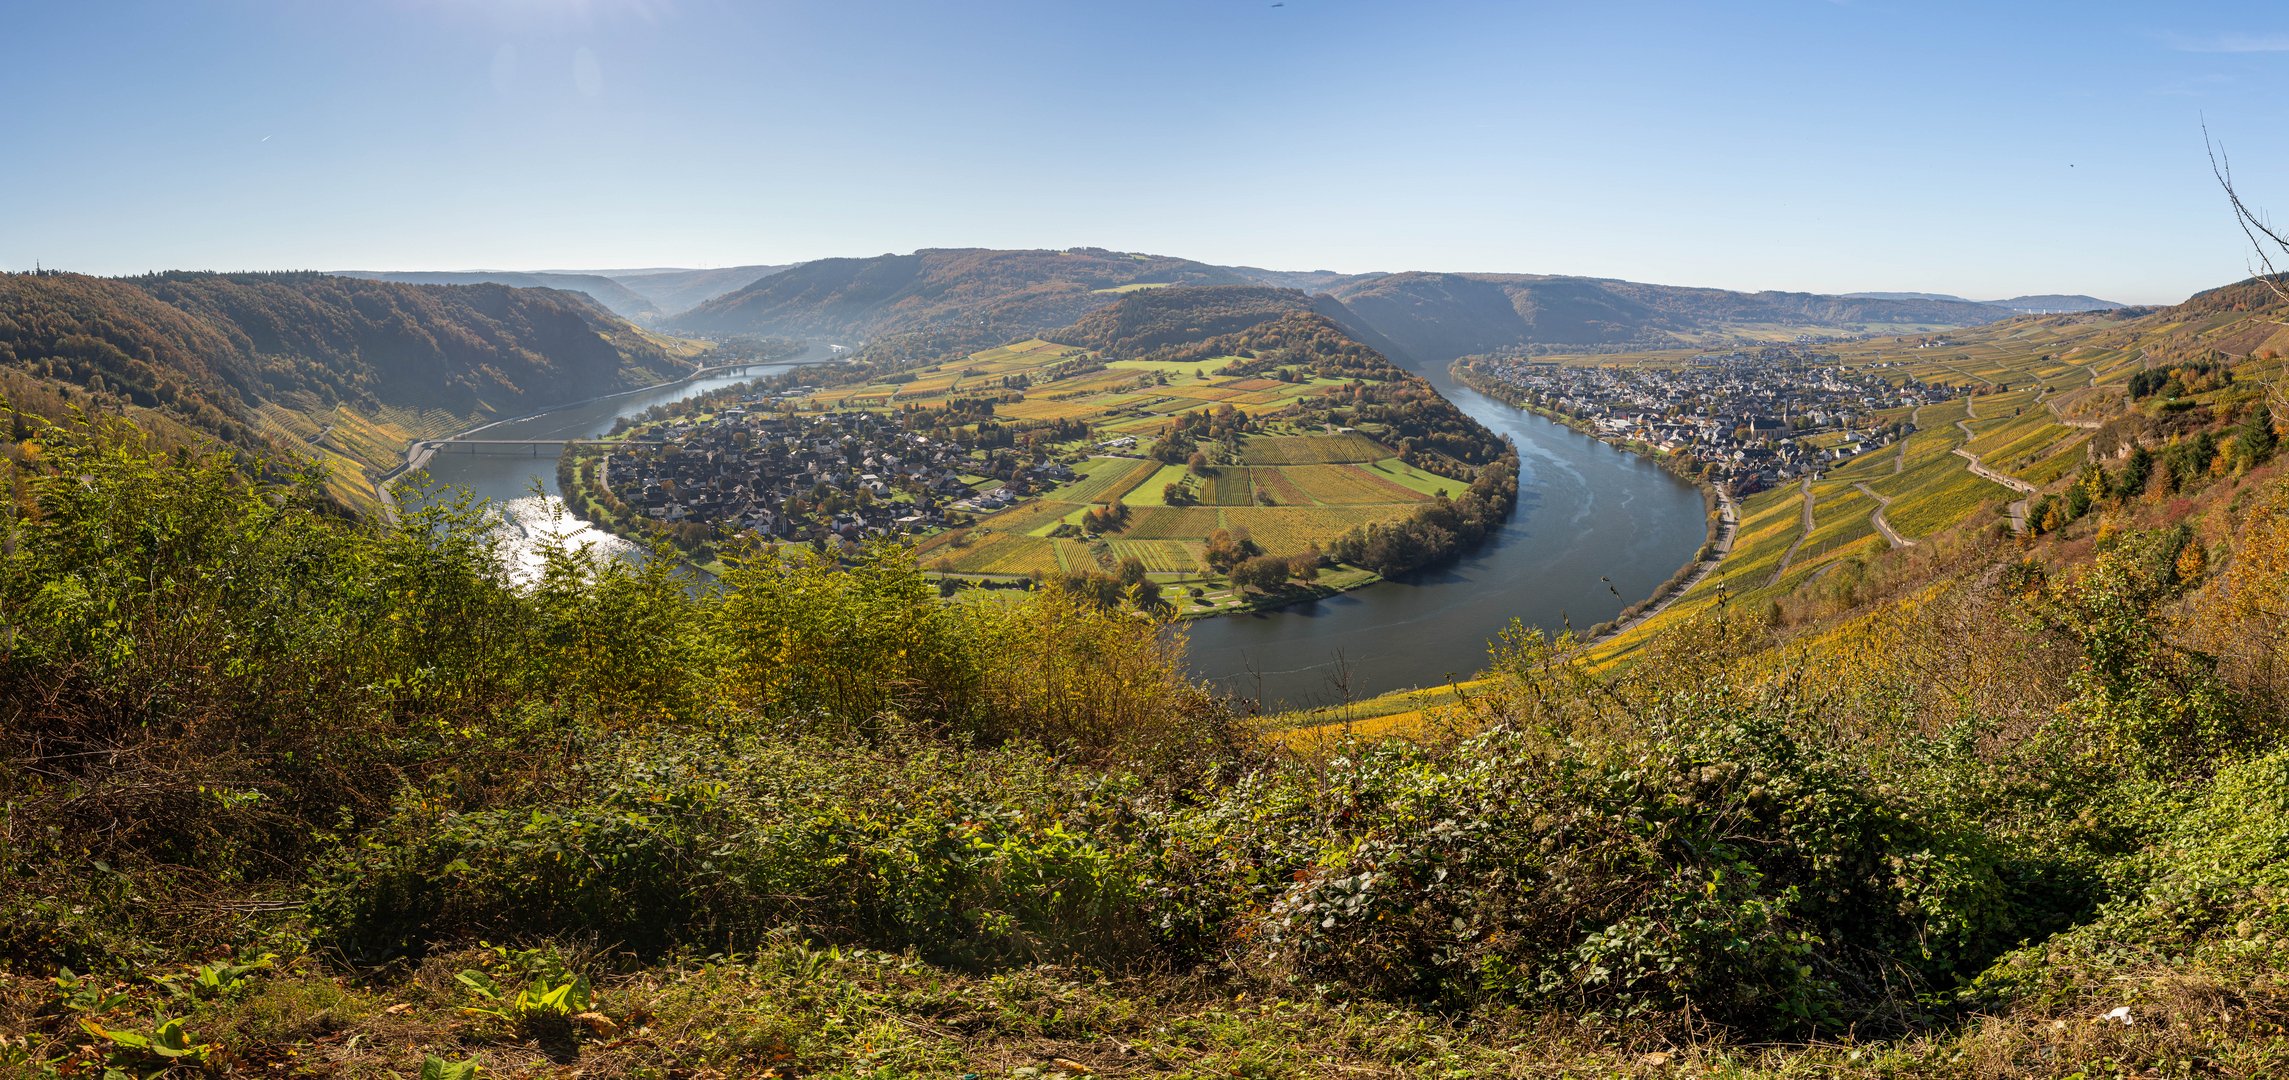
(847, 476)
(1750, 419)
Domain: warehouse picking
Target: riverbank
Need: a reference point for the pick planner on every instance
(419, 452)
(1723, 512)
(1670, 463)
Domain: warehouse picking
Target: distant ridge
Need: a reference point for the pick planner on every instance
(1434, 318)
(2043, 304)
(644, 295)
(610, 294)
(675, 290)
(973, 296)
(1307, 280)
(2053, 304)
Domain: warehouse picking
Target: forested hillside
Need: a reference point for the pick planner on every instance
(270, 362)
(1435, 317)
(1150, 323)
(977, 298)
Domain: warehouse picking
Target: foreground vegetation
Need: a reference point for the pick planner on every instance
(289, 793)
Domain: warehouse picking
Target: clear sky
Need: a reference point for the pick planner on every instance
(1987, 149)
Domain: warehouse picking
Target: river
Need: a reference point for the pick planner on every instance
(1596, 529)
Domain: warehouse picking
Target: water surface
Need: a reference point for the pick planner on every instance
(1596, 530)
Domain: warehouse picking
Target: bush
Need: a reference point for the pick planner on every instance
(1716, 867)
(976, 858)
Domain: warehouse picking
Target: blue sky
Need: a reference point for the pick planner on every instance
(1985, 149)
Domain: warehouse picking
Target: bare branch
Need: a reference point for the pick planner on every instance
(2252, 224)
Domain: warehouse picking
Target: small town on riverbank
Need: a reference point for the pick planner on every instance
(1747, 418)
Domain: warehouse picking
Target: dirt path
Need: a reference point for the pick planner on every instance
(2017, 510)
(1876, 517)
(1728, 526)
(1790, 554)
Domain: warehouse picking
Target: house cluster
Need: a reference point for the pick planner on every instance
(796, 477)
(1754, 418)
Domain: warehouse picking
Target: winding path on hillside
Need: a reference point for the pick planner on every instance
(2018, 509)
(1790, 554)
(1899, 457)
(1728, 527)
(1876, 517)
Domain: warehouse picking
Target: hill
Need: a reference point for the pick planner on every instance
(937, 303)
(1436, 317)
(1310, 281)
(1947, 297)
(294, 365)
(615, 297)
(2052, 303)
(975, 297)
(675, 291)
(1142, 322)
(2044, 304)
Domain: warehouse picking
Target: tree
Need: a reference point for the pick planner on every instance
(2253, 439)
(1226, 549)
(1264, 572)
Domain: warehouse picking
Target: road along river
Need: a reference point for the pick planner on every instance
(1596, 529)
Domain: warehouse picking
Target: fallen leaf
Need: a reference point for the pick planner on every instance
(596, 1022)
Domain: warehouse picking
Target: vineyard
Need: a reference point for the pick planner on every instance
(1349, 485)
(1311, 449)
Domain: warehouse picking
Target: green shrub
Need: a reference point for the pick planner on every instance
(973, 857)
(1716, 865)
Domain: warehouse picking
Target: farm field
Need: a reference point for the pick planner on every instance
(1288, 491)
(1312, 450)
(1044, 380)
